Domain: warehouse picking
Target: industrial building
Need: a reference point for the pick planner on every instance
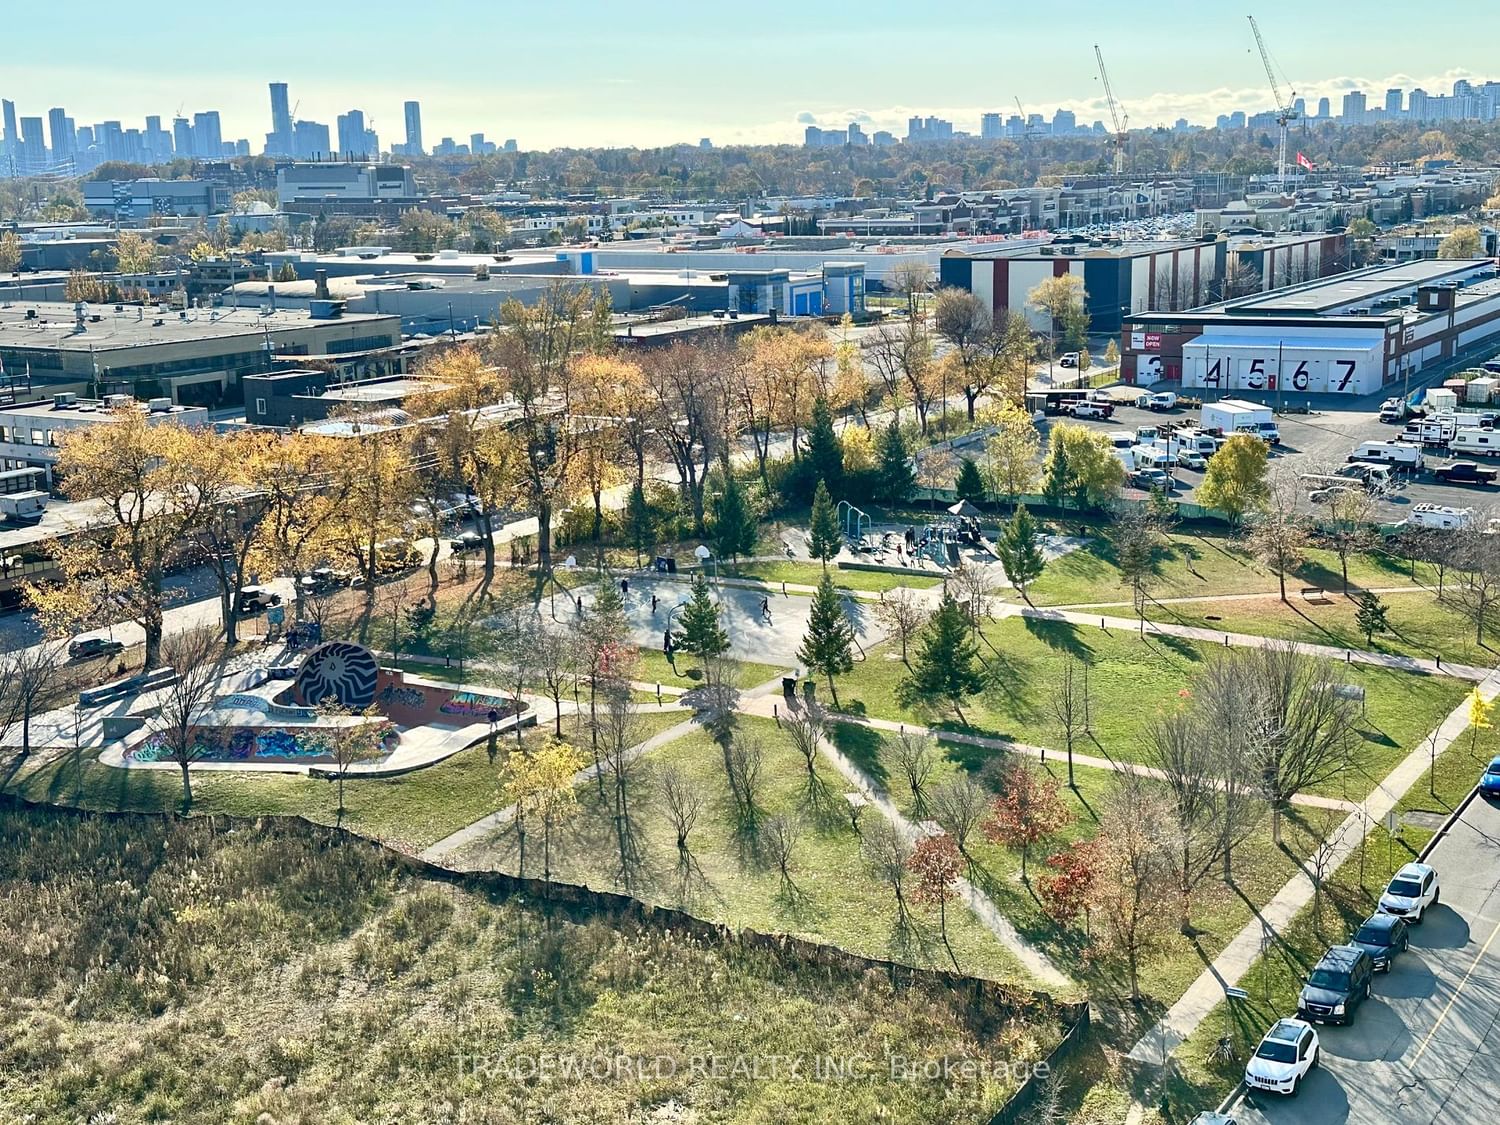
(1119, 278)
(129, 201)
(193, 357)
(1357, 333)
(343, 188)
(32, 432)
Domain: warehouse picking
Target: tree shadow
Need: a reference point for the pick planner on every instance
(861, 745)
(1062, 635)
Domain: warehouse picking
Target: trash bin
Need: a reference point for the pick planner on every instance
(810, 690)
(671, 564)
(789, 686)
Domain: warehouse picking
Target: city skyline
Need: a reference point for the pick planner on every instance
(669, 81)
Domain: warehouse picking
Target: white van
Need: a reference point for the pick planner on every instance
(1440, 516)
(1475, 441)
(1153, 457)
(1396, 453)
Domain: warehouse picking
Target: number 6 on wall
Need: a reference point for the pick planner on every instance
(1300, 377)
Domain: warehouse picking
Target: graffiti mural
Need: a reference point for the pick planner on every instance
(472, 705)
(249, 744)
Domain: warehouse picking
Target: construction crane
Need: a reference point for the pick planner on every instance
(1119, 117)
(1285, 106)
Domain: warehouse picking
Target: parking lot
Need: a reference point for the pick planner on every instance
(1426, 1046)
(1317, 442)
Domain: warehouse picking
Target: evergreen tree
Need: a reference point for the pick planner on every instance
(824, 536)
(970, 485)
(946, 665)
(828, 645)
(1055, 481)
(1370, 617)
(638, 521)
(895, 476)
(824, 459)
(699, 631)
(1020, 552)
(734, 523)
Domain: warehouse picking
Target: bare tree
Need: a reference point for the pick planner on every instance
(903, 616)
(1349, 527)
(972, 587)
(1136, 536)
(28, 676)
(914, 757)
(555, 658)
(1132, 879)
(1476, 591)
(1069, 705)
(887, 851)
(959, 806)
(1324, 858)
(350, 736)
(779, 837)
(620, 732)
(1279, 534)
(683, 800)
(517, 630)
(1299, 714)
(196, 658)
(744, 759)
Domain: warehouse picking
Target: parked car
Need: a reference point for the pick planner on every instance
(1284, 1058)
(1338, 984)
(89, 648)
(1099, 410)
(1191, 459)
(1161, 400)
(1147, 479)
(253, 599)
(1068, 359)
(1489, 781)
(1394, 410)
(1466, 472)
(1411, 892)
(321, 578)
(1382, 936)
(1323, 495)
(467, 541)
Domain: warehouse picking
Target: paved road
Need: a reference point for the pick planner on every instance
(1426, 1048)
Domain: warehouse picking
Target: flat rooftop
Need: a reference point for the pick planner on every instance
(646, 331)
(1362, 287)
(89, 409)
(380, 390)
(52, 325)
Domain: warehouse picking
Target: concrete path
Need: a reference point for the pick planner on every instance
(1035, 961)
(1191, 599)
(1205, 993)
(1244, 640)
(764, 708)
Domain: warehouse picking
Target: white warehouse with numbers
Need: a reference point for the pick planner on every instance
(1358, 333)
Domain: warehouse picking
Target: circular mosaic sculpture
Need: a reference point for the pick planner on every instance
(340, 671)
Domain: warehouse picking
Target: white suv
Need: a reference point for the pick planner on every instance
(1284, 1058)
(1413, 889)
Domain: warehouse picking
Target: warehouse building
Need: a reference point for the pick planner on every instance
(194, 357)
(1119, 278)
(1357, 333)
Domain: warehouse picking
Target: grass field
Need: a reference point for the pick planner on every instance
(158, 970)
(1132, 681)
(834, 897)
(1420, 624)
(409, 812)
(1193, 565)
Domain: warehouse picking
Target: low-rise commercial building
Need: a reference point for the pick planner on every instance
(1356, 333)
(32, 432)
(336, 187)
(192, 356)
(129, 201)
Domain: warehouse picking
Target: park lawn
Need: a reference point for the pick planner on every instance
(1275, 979)
(1420, 624)
(1194, 565)
(811, 573)
(1132, 681)
(1260, 867)
(654, 668)
(836, 899)
(408, 812)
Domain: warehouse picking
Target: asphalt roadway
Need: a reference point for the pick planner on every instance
(1426, 1046)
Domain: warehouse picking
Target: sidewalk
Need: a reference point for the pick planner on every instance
(1205, 993)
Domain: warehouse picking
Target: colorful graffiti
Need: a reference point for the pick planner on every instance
(401, 696)
(248, 744)
(473, 705)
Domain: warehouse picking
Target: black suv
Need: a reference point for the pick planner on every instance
(1382, 936)
(1339, 982)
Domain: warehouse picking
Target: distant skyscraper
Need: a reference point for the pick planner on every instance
(414, 129)
(1325, 108)
(1299, 106)
(351, 127)
(1354, 107)
(1417, 105)
(1393, 98)
(854, 135)
(1063, 122)
(60, 133)
(510, 145)
(705, 143)
(279, 141)
(182, 136)
(33, 147)
(991, 127)
(208, 141)
(1237, 119)
(9, 140)
(310, 140)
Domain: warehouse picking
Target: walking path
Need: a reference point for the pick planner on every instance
(1035, 961)
(1189, 599)
(1246, 640)
(764, 708)
(1205, 993)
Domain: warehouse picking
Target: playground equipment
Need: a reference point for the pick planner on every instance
(852, 520)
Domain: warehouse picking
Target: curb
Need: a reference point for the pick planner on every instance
(1447, 825)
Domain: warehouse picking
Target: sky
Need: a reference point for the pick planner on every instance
(651, 72)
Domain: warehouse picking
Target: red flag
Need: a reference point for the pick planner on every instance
(1306, 163)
